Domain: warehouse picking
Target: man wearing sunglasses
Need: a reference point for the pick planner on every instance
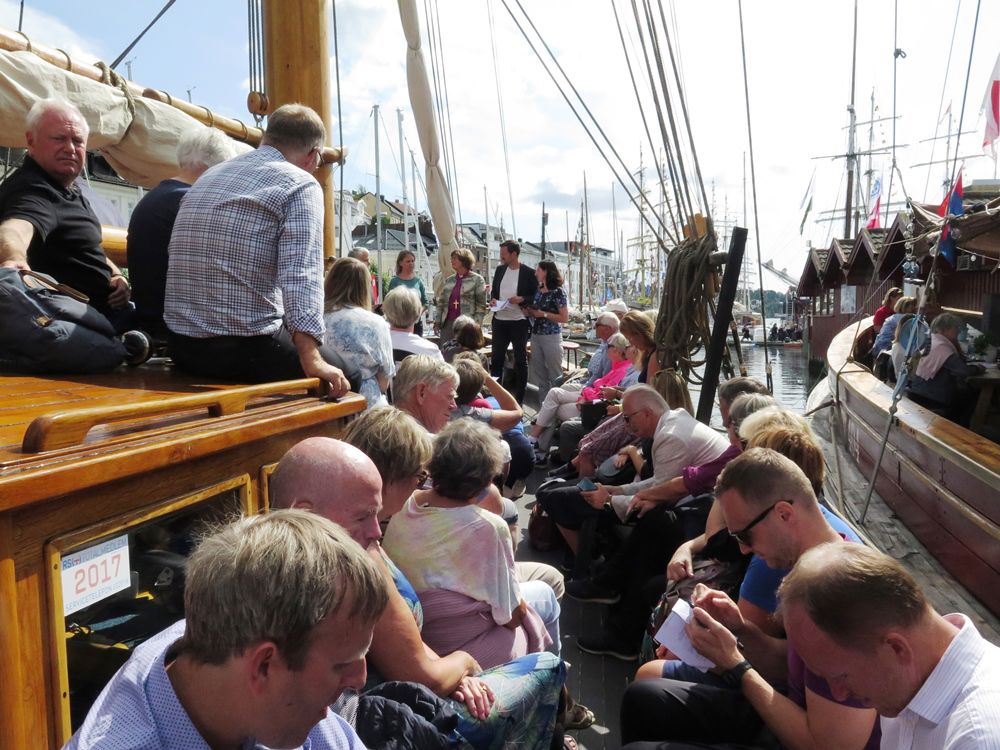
(771, 510)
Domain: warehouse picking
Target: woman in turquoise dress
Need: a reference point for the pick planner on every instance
(406, 265)
(513, 705)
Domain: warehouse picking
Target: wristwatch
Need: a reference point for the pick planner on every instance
(734, 676)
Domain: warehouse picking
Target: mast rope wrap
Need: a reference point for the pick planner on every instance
(111, 78)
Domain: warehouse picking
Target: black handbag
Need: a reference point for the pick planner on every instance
(592, 412)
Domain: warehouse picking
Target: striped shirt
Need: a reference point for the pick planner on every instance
(246, 251)
(958, 706)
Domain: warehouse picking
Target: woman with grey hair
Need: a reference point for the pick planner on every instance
(460, 558)
(401, 308)
(941, 375)
(152, 222)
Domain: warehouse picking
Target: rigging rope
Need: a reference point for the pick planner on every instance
(637, 197)
(944, 87)
(753, 190)
(503, 121)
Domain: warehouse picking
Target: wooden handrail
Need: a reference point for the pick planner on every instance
(68, 428)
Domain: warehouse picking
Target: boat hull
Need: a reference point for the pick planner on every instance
(941, 480)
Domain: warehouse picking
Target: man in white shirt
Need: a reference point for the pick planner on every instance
(858, 619)
(514, 284)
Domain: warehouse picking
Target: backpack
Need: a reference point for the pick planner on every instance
(48, 327)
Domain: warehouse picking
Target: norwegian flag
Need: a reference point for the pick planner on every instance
(950, 208)
(991, 103)
(874, 203)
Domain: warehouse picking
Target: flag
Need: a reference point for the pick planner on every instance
(991, 103)
(950, 207)
(807, 203)
(874, 203)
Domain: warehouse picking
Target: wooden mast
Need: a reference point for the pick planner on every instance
(297, 63)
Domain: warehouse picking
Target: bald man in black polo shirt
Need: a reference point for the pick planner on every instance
(47, 225)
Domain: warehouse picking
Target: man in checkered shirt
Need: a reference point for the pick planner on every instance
(244, 294)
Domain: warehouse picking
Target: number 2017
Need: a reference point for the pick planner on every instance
(94, 574)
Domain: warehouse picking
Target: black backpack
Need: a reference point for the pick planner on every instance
(47, 327)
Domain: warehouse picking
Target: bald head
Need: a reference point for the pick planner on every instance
(333, 479)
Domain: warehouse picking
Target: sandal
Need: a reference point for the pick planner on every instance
(579, 717)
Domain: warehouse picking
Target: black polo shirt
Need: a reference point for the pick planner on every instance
(67, 240)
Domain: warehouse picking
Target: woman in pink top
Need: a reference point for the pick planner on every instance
(560, 405)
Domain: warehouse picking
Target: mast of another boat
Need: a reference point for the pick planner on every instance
(402, 177)
(851, 156)
(586, 223)
(378, 200)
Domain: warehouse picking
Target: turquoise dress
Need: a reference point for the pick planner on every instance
(526, 690)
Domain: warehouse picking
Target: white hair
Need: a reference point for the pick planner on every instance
(53, 104)
(608, 319)
(204, 147)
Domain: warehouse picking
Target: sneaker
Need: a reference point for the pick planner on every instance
(608, 645)
(541, 459)
(138, 347)
(514, 491)
(589, 590)
(566, 471)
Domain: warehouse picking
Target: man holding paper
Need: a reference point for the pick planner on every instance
(771, 510)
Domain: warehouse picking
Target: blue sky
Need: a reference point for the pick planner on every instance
(798, 57)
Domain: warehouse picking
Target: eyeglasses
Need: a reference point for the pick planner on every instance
(421, 476)
(743, 535)
(628, 417)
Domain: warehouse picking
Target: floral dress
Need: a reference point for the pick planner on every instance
(362, 338)
(526, 690)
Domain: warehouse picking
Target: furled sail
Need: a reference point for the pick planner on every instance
(138, 140)
(438, 196)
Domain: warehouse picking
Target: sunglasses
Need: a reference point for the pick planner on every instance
(743, 535)
(628, 417)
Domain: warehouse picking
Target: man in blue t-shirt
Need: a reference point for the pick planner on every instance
(771, 510)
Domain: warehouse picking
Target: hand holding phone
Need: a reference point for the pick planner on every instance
(586, 485)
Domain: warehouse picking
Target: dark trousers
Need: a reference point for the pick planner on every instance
(522, 456)
(505, 333)
(685, 712)
(570, 433)
(246, 359)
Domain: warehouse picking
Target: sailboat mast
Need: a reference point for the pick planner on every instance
(849, 207)
(586, 215)
(378, 197)
(295, 41)
(402, 175)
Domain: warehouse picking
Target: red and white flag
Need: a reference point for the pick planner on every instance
(874, 204)
(992, 106)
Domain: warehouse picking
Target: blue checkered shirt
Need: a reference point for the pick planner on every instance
(246, 251)
(599, 365)
(139, 710)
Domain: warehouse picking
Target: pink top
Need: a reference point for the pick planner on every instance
(613, 378)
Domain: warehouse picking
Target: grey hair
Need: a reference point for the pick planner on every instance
(618, 341)
(204, 147)
(401, 307)
(294, 128)
(53, 104)
(395, 442)
(746, 404)
(772, 417)
(946, 322)
(421, 368)
(359, 253)
(645, 396)
(730, 389)
(608, 319)
(461, 322)
(275, 577)
(467, 456)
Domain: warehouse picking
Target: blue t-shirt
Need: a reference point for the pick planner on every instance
(760, 584)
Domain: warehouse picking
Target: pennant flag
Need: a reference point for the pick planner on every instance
(947, 111)
(874, 203)
(950, 208)
(992, 106)
(807, 203)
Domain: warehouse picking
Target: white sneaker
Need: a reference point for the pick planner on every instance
(515, 491)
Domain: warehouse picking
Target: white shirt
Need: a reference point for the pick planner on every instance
(411, 342)
(680, 440)
(508, 289)
(958, 706)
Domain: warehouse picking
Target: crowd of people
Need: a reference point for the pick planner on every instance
(379, 601)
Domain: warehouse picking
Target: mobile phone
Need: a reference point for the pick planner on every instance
(586, 485)
(632, 516)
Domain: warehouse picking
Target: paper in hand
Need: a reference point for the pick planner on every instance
(498, 305)
(672, 635)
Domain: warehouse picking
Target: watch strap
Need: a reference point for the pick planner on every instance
(734, 676)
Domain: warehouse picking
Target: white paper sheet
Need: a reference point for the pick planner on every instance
(672, 635)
